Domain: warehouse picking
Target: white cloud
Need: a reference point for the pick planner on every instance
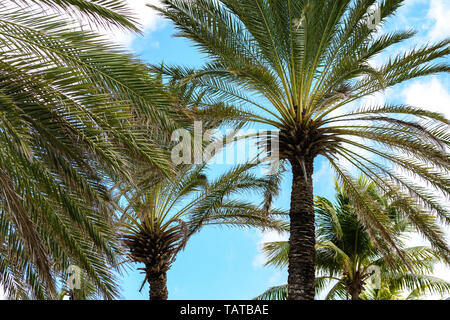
(439, 13)
(430, 94)
(277, 278)
(147, 18)
(264, 237)
(324, 172)
(441, 270)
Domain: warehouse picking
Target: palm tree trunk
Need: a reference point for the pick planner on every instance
(158, 286)
(302, 234)
(355, 287)
(355, 295)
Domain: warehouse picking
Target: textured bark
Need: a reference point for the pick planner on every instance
(355, 295)
(158, 286)
(302, 234)
(356, 286)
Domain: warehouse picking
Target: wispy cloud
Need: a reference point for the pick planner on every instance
(430, 93)
(264, 237)
(439, 13)
(146, 17)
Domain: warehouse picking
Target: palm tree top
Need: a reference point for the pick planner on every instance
(298, 66)
(305, 58)
(158, 221)
(68, 101)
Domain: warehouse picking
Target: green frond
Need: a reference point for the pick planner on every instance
(68, 104)
(274, 293)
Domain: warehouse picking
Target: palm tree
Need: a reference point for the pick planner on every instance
(297, 66)
(158, 221)
(408, 288)
(347, 260)
(68, 100)
(394, 291)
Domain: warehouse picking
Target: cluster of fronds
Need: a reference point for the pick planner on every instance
(345, 254)
(67, 103)
(159, 220)
(301, 67)
(154, 248)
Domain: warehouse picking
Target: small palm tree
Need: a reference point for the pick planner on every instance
(68, 100)
(347, 258)
(158, 222)
(297, 66)
(396, 291)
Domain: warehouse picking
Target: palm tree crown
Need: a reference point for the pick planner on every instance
(159, 220)
(65, 119)
(348, 263)
(298, 66)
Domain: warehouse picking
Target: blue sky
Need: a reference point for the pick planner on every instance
(222, 263)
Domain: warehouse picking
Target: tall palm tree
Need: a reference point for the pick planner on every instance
(393, 285)
(158, 222)
(68, 100)
(297, 65)
(347, 259)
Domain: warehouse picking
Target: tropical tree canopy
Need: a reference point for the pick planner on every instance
(158, 222)
(68, 99)
(302, 66)
(349, 265)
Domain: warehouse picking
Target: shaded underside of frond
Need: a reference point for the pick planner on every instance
(68, 104)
